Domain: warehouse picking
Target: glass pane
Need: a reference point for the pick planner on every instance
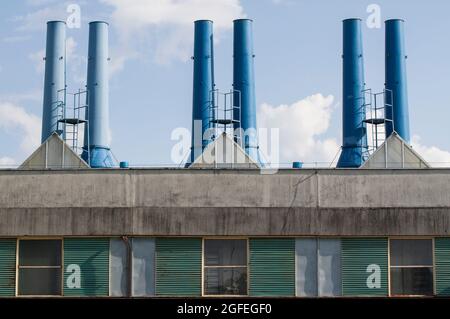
(226, 281)
(39, 281)
(306, 263)
(118, 268)
(143, 267)
(329, 267)
(225, 252)
(412, 252)
(40, 253)
(412, 281)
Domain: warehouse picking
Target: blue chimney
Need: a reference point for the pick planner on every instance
(354, 129)
(203, 85)
(244, 82)
(96, 145)
(396, 86)
(55, 77)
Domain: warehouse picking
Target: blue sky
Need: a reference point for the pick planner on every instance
(298, 70)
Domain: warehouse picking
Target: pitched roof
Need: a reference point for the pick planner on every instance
(395, 153)
(54, 153)
(224, 152)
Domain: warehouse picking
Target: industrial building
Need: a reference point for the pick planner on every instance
(74, 222)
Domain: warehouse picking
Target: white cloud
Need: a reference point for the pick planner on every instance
(135, 14)
(286, 2)
(7, 162)
(16, 39)
(36, 20)
(32, 95)
(169, 23)
(301, 124)
(46, 10)
(76, 63)
(38, 59)
(432, 154)
(36, 3)
(71, 46)
(13, 117)
(119, 56)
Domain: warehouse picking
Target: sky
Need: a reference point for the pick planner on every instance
(298, 66)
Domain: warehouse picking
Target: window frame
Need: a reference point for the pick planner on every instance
(246, 266)
(18, 266)
(432, 267)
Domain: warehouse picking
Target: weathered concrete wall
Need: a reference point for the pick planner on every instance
(225, 202)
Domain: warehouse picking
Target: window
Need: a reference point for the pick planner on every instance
(318, 267)
(411, 267)
(225, 264)
(141, 259)
(39, 267)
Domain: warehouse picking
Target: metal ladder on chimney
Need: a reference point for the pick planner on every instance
(374, 108)
(72, 117)
(225, 113)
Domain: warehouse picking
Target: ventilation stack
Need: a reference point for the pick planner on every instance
(396, 86)
(244, 86)
(203, 86)
(354, 128)
(96, 141)
(55, 77)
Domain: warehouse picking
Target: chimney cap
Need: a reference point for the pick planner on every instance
(203, 20)
(99, 21)
(243, 19)
(394, 20)
(352, 19)
(56, 21)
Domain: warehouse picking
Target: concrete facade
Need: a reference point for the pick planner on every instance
(197, 202)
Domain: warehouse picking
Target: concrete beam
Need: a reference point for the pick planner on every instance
(224, 222)
(225, 202)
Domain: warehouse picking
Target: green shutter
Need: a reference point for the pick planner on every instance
(357, 255)
(178, 266)
(272, 267)
(442, 266)
(92, 256)
(8, 267)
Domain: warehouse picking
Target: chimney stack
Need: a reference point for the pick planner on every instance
(354, 129)
(396, 86)
(203, 85)
(244, 83)
(96, 142)
(55, 77)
